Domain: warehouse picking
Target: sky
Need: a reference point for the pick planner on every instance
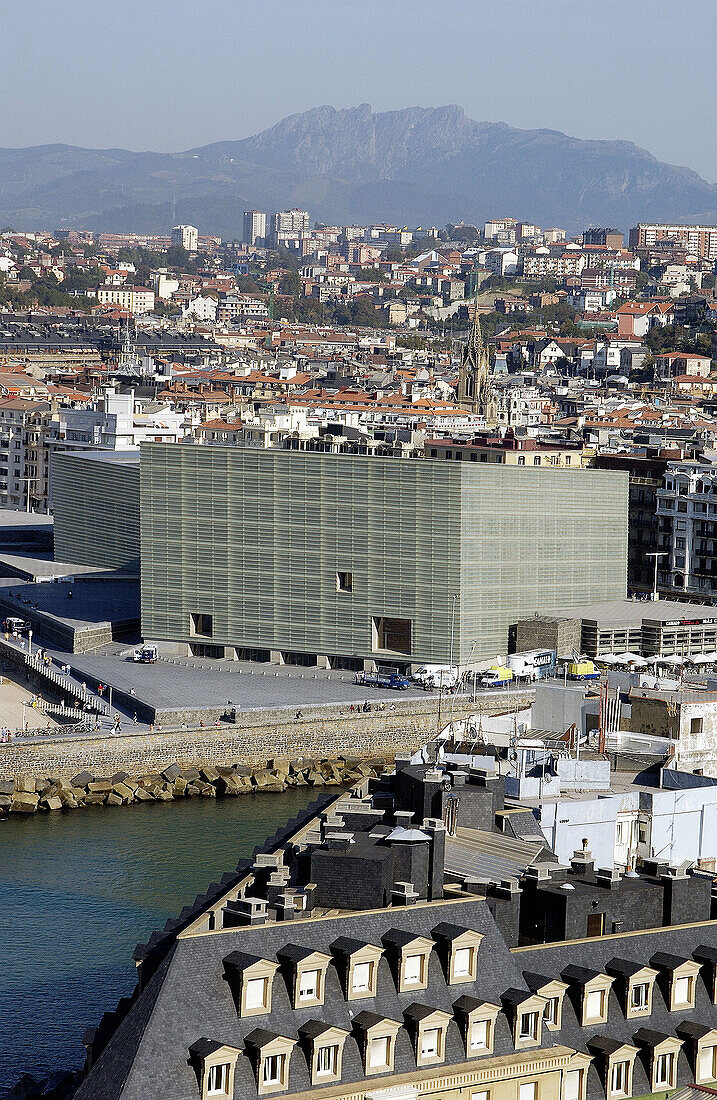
(173, 74)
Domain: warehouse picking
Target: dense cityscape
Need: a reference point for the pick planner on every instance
(358, 552)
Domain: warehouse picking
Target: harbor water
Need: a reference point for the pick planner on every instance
(78, 892)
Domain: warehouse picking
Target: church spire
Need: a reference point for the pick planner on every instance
(475, 386)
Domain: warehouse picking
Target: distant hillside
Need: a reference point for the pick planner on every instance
(418, 166)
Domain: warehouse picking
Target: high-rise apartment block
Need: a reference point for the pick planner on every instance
(185, 236)
(288, 225)
(700, 240)
(254, 228)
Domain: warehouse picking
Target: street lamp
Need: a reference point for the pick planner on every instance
(656, 554)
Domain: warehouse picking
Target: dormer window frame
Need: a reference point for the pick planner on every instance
(612, 1055)
(320, 1037)
(467, 941)
(277, 1047)
(370, 956)
(423, 1023)
(686, 972)
(383, 1028)
(220, 1056)
(646, 977)
(401, 951)
(706, 1046)
(668, 1050)
(317, 962)
(261, 971)
(485, 1013)
(600, 985)
(250, 969)
(528, 1034)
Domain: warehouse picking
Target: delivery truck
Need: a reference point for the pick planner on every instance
(533, 664)
(497, 676)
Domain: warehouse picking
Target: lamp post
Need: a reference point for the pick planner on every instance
(656, 554)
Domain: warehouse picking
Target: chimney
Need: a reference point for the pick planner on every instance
(607, 876)
(437, 832)
(251, 911)
(403, 894)
(582, 862)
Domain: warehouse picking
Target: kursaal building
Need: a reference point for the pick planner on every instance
(340, 559)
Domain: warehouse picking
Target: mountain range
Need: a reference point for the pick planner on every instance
(418, 166)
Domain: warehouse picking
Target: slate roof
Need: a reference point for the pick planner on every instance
(596, 955)
(189, 999)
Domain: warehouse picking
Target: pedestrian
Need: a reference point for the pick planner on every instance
(84, 688)
(134, 719)
(100, 690)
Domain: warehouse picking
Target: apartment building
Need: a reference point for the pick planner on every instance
(28, 431)
(351, 560)
(135, 299)
(254, 228)
(687, 520)
(186, 237)
(698, 240)
(288, 226)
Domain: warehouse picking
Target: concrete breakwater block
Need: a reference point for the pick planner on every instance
(26, 796)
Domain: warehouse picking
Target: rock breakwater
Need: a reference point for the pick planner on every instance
(27, 795)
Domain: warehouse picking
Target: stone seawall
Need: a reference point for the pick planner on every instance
(257, 737)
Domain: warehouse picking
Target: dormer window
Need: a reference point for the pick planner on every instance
(663, 1051)
(477, 1021)
(380, 1054)
(552, 991)
(681, 976)
(274, 1070)
(594, 987)
(595, 1006)
(682, 992)
(463, 963)
(325, 1050)
(255, 978)
(409, 956)
(256, 994)
(360, 962)
(216, 1063)
(635, 986)
(429, 1026)
(378, 1040)
(526, 1010)
(462, 945)
(361, 977)
(413, 968)
(479, 1037)
(616, 1065)
(306, 974)
(272, 1054)
(218, 1079)
(327, 1060)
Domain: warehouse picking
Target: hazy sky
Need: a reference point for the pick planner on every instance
(172, 74)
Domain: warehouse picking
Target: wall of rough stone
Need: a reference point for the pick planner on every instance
(260, 736)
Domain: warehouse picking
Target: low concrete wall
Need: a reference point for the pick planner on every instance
(259, 737)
